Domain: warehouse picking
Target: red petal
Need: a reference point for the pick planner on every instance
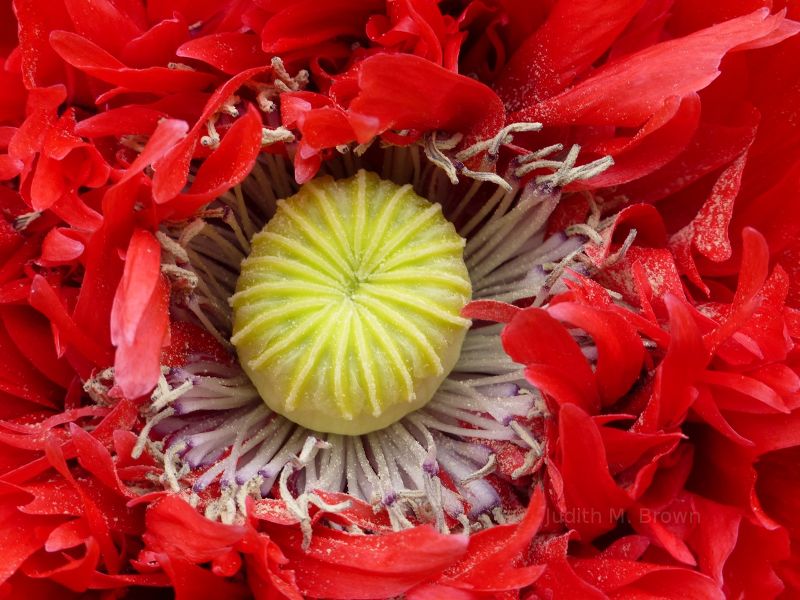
(685, 360)
(48, 184)
(657, 264)
(594, 501)
(428, 591)
(192, 10)
(172, 171)
(94, 514)
(630, 547)
(44, 299)
(230, 52)
(325, 127)
(9, 167)
(713, 146)
(60, 247)
(491, 557)
(559, 581)
(226, 564)
(12, 101)
(625, 448)
(191, 582)
(306, 168)
(20, 536)
(175, 528)
(126, 120)
(68, 535)
(102, 581)
(96, 459)
(663, 137)
(777, 486)
(75, 211)
(690, 16)
(627, 92)
(752, 275)
(139, 320)
(137, 366)
(304, 24)
(768, 432)
(56, 497)
(268, 574)
(103, 270)
(232, 161)
(770, 214)
(620, 350)
(644, 218)
(715, 535)
(33, 338)
(660, 526)
(554, 360)
(711, 223)
(167, 134)
(101, 22)
(136, 289)
(404, 91)
(94, 61)
(490, 310)
(359, 513)
(41, 108)
(157, 45)
(708, 231)
(646, 28)
(575, 35)
(341, 565)
(636, 580)
(707, 409)
(742, 391)
(227, 166)
(749, 572)
(40, 65)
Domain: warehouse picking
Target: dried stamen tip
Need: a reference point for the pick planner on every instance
(346, 312)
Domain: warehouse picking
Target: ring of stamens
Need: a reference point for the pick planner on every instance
(444, 464)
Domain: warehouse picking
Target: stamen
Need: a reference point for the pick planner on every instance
(485, 470)
(172, 472)
(585, 229)
(434, 153)
(273, 136)
(623, 249)
(145, 433)
(213, 138)
(21, 222)
(164, 395)
(503, 137)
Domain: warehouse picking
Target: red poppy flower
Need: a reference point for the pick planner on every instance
(237, 250)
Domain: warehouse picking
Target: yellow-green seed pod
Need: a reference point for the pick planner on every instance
(347, 310)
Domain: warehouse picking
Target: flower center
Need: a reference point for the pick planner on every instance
(347, 309)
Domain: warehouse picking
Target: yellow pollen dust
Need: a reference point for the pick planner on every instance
(346, 315)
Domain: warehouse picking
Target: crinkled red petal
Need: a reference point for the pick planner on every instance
(574, 36)
(594, 502)
(553, 359)
(400, 91)
(341, 565)
(675, 67)
(175, 528)
(230, 52)
(620, 350)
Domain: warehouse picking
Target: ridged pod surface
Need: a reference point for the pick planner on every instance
(347, 310)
